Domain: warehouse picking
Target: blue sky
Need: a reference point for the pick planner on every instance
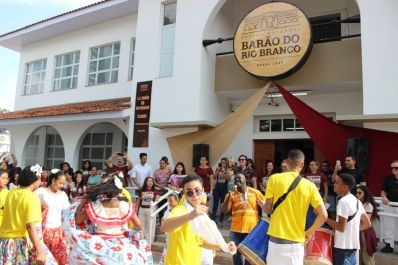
(15, 14)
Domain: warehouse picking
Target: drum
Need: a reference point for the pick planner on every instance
(255, 246)
(318, 251)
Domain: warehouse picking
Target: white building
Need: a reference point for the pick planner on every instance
(100, 52)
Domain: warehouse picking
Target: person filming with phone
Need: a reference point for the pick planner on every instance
(123, 164)
(350, 168)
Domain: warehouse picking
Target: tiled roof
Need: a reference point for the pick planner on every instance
(50, 18)
(68, 109)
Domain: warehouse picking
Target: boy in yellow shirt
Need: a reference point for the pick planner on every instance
(22, 214)
(184, 246)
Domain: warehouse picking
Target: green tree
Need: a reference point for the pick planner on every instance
(4, 110)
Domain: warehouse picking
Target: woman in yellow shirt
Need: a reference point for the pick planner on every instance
(22, 219)
(184, 246)
(3, 190)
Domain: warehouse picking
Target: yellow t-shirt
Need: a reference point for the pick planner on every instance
(244, 214)
(184, 246)
(22, 207)
(288, 220)
(3, 195)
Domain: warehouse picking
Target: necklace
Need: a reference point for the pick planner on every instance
(243, 198)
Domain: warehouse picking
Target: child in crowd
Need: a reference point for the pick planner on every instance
(3, 191)
(78, 187)
(351, 218)
(368, 236)
(44, 177)
(173, 202)
(13, 176)
(94, 178)
(146, 196)
(54, 201)
(184, 246)
(175, 181)
(22, 219)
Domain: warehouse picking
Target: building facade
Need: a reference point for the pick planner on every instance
(79, 71)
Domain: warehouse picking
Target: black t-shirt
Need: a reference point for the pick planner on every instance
(390, 187)
(358, 175)
(329, 174)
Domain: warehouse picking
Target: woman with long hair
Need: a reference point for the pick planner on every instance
(86, 169)
(268, 171)
(3, 190)
(78, 187)
(161, 178)
(110, 242)
(368, 236)
(14, 175)
(175, 181)
(220, 189)
(146, 196)
(54, 201)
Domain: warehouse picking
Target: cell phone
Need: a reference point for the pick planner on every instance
(120, 154)
(337, 162)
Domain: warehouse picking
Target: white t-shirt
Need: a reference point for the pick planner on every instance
(141, 172)
(349, 239)
(57, 202)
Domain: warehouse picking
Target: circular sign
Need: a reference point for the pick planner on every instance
(273, 41)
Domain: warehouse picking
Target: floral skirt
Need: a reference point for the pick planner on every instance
(55, 240)
(20, 251)
(87, 248)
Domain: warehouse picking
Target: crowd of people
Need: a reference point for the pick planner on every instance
(63, 216)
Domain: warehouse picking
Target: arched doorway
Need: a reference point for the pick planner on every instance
(99, 141)
(44, 146)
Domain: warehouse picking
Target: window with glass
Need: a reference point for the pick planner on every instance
(280, 125)
(132, 50)
(35, 74)
(31, 150)
(104, 64)
(323, 28)
(55, 153)
(66, 71)
(97, 147)
(167, 43)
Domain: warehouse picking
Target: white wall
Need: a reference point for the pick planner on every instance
(122, 29)
(71, 133)
(379, 23)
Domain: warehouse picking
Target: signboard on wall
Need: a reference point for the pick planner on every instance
(273, 41)
(142, 113)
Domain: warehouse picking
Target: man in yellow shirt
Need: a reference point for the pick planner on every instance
(184, 246)
(242, 202)
(286, 230)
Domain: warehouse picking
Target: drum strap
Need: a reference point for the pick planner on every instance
(283, 197)
(352, 216)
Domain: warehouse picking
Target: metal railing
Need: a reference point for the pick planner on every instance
(155, 211)
(381, 213)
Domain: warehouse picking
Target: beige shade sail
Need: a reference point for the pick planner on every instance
(218, 138)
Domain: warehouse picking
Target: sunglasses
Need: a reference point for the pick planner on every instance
(396, 168)
(190, 193)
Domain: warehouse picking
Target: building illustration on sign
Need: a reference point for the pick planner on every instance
(271, 20)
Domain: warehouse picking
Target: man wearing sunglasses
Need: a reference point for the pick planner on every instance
(389, 194)
(248, 172)
(242, 203)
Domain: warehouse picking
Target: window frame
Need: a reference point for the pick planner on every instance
(108, 70)
(133, 43)
(27, 74)
(60, 78)
(167, 52)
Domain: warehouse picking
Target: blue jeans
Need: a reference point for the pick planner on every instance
(238, 238)
(344, 256)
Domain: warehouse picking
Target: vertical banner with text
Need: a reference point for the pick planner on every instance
(142, 113)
